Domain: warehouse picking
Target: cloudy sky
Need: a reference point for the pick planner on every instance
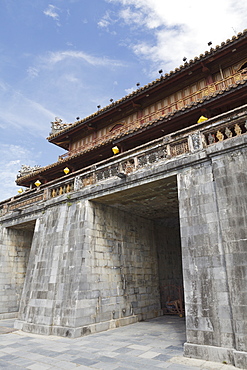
(64, 57)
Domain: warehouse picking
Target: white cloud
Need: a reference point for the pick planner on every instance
(106, 20)
(59, 56)
(130, 90)
(109, 19)
(71, 78)
(63, 79)
(103, 23)
(20, 112)
(51, 11)
(32, 71)
(180, 28)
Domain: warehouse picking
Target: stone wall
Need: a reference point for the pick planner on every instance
(124, 257)
(91, 267)
(15, 246)
(213, 208)
(208, 318)
(230, 172)
(167, 238)
(55, 271)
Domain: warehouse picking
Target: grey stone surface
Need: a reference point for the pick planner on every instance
(215, 253)
(113, 349)
(105, 270)
(14, 254)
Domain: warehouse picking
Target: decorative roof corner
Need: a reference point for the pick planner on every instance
(27, 170)
(58, 126)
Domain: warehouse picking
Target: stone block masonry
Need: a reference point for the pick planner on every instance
(213, 205)
(15, 247)
(230, 182)
(91, 267)
(126, 249)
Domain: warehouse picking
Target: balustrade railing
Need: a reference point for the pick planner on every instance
(62, 188)
(226, 131)
(23, 200)
(126, 163)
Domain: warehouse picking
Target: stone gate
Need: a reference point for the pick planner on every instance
(92, 251)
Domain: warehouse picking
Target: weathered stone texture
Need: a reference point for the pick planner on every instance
(89, 264)
(14, 253)
(231, 179)
(213, 205)
(205, 281)
(123, 261)
(167, 237)
(56, 265)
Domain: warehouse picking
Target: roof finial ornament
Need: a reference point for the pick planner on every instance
(58, 120)
(57, 125)
(26, 170)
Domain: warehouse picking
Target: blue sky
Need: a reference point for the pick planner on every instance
(64, 57)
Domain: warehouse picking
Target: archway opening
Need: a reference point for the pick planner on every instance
(18, 245)
(143, 222)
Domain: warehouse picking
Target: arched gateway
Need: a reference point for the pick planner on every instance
(107, 239)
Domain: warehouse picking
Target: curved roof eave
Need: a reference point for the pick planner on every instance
(181, 68)
(167, 117)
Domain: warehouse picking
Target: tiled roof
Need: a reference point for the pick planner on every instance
(153, 83)
(136, 129)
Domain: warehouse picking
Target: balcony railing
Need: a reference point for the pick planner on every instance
(189, 140)
(225, 132)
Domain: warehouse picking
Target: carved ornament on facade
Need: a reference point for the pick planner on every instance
(77, 183)
(179, 148)
(196, 140)
(237, 129)
(219, 135)
(211, 138)
(228, 132)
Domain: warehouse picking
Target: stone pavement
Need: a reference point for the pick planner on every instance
(153, 344)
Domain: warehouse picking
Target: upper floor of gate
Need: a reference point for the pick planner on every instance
(211, 84)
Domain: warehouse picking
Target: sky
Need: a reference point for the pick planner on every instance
(63, 58)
